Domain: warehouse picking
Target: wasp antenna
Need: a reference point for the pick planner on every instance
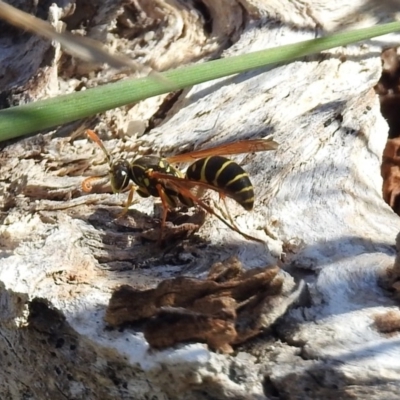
(87, 184)
(97, 140)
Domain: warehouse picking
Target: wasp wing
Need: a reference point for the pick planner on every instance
(184, 185)
(242, 146)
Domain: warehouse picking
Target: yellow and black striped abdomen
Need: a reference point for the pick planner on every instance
(225, 174)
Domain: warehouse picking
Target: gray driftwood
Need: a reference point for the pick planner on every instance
(319, 208)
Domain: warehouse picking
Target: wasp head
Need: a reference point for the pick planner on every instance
(119, 170)
(119, 175)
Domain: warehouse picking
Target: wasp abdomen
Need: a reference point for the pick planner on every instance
(225, 174)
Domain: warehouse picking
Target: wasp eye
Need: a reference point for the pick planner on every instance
(119, 176)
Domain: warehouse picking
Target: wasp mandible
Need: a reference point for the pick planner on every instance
(209, 170)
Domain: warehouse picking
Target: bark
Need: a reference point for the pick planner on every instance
(330, 332)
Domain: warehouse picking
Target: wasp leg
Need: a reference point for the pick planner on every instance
(224, 221)
(187, 193)
(164, 203)
(226, 214)
(128, 203)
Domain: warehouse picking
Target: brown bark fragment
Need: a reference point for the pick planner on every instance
(216, 311)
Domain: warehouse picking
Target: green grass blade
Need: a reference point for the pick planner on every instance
(44, 114)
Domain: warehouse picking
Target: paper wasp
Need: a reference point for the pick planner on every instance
(156, 176)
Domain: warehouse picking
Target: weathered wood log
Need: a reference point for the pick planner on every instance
(319, 207)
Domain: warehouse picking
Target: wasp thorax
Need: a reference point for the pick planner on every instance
(119, 175)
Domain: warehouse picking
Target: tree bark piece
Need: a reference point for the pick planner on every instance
(219, 313)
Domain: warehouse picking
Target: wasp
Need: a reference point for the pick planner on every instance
(209, 170)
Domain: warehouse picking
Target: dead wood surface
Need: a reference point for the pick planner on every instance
(319, 207)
